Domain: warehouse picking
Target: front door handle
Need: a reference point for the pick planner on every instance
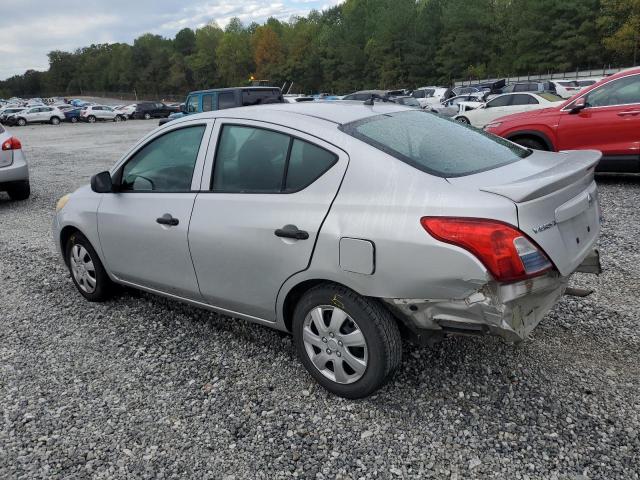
(629, 112)
(167, 219)
(291, 231)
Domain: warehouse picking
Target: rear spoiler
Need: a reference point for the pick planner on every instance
(568, 170)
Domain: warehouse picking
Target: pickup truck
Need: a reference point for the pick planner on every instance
(221, 98)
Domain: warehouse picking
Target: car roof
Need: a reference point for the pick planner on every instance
(344, 111)
(232, 89)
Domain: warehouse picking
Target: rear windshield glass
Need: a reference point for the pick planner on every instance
(434, 144)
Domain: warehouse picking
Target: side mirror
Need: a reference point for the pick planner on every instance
(102, 183)
(578, 105)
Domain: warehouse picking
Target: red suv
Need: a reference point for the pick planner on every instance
(604, 116)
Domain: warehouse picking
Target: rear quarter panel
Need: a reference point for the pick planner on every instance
(382, 200)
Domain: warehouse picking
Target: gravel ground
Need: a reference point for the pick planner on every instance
(143, 387)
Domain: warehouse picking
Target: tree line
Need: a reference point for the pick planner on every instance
(357, 44)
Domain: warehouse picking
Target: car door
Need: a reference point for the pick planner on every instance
(609, 123)
(263, 202)
(143, 226)
(107, 113)
(492, 110)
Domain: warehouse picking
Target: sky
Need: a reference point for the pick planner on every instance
(29, 29)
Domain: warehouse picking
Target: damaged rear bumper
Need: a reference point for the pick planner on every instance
(510, 311)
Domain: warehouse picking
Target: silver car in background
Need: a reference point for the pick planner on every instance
(14, 172)
(342, 223)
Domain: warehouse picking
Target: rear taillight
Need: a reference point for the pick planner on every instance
(11, 144)
(506, 252)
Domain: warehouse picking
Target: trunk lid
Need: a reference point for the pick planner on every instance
(556, 199)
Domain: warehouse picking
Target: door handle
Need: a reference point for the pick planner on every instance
(291, 231)
(629, 112)
(167, 219)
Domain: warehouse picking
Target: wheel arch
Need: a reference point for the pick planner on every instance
(65, 235)
(534, 134)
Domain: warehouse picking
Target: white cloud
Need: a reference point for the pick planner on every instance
(38, 26)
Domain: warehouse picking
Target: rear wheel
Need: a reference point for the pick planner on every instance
(463, 120)
(529, 142)
(74, 120)
(350, 344)
(87, 272)
(117, 118)
(19, 190)
(54, 121)
(91, 119)
(147, 116)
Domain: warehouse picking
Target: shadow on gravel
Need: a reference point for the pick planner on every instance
(618, 178)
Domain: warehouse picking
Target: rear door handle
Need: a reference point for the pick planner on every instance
(167, 219)
(629, 112)
(291, 231)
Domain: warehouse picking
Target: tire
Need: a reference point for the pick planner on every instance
(532, 143)
(19, 191)
(117, 118)
(376, 344)
(74, 120)
(54, 121)
(147, 116)
(463, 120)
(21, 122)
(91, 119)
(94, 285)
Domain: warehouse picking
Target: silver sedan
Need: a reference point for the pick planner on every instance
(14, 172)
(347, 225)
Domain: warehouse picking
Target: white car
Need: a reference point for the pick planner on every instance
(93, 113)
(39, 114)
(430, 96)
(566, 88)
(452, 106)
(126, 110)
(508, 104)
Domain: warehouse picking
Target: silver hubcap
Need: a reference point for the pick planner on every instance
(335, 344)
(82, 269)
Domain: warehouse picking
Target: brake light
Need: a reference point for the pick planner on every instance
(505, 251)
(11, 144)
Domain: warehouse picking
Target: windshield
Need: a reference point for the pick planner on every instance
(435, 144)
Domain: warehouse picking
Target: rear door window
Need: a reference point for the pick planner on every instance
(257, 160)
(207, 102)
(500, 101)
(192, 104)
(307, 162)
(434, 144)
(522, 99)
(226, 100)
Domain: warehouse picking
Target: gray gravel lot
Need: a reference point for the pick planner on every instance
(143, 387)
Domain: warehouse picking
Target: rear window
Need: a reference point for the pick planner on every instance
(435, 144)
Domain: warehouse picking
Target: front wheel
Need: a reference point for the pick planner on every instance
(117, 118)
(350, 344)
(532, 143)
(464, 120)
(74, 120)
(21, 122)
(147, 116)
(87, 272)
